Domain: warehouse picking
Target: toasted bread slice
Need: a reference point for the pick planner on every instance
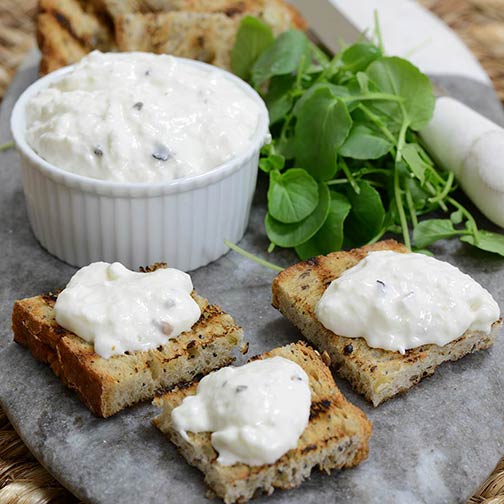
(199, 29)
(377, 374)
(207, 37)
(106, 386)
(68, 29)
(337, 436)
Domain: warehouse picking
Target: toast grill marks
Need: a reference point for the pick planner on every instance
(69, 29)
(337, 436)
(377, 374)
(106, 386)
(196, 35)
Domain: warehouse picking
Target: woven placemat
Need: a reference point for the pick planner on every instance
(479, 22)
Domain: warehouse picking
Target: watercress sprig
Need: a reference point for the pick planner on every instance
(346, 165)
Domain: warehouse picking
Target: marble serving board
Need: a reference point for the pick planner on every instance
(435, 444)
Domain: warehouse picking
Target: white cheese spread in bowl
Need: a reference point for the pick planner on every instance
(140, 117)
(110, 175)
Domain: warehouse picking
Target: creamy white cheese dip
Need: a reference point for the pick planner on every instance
(400, 301)
(139, 117)
(119, 310)
(256, 413)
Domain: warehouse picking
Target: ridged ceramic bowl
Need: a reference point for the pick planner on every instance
(183, 222)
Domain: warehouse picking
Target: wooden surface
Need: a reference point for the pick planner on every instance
(480, 23)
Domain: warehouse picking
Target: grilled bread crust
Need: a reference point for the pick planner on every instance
(199, 29)
(337, 436)
(196, 35)
(107, 386)
(377, 374)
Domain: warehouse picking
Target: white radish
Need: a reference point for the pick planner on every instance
(472, 147)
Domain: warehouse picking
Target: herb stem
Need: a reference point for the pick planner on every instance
(7, 146)
(329, 69)
(372, 96)
(400, 208)
(318, 54)
(434, 193)
(446, 190)
(468, 215)
(378, 123)
(378, 32)
(337, 181)
(401, 140)
(252, 257)
(411, 207)
(349, 175)
(377, 237)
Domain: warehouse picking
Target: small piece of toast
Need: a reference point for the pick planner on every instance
(107, 386)
(337, 436)
(200, 29)
(377, 374)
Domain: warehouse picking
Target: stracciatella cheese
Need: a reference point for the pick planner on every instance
(256, 413)
(400, 301)
(119, 310)
(139, 117)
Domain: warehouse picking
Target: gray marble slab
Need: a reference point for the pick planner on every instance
(433, 445)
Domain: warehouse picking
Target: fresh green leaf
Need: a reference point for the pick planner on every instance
(417, 165)
(486, 240)
(457, 217)
(430, 231)
(363, 81)
(364, 143)
(337, 91)
(330, 236)
(359, 56)
(419, 195)
(272, 162)
(279, 97)
(289, 50)
(292, 196)
(367, 216)
(399, 77)
(292, 235)
(323, 124)
(426, 252)
(252, 39)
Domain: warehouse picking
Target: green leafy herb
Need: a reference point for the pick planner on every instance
(430, 231)
(364, 143)
(346, 165)
(252, 39)
(323, 123)
(292, 196)
(289, 51)
(367, 215)
(292, 235)
(330, 235)
(400, 78)
(486, 240)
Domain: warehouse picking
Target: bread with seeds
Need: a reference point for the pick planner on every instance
(106, 386)
(377, 374)
(198, 29)
(337, 436)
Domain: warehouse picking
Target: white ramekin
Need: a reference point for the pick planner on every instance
(183, 222)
